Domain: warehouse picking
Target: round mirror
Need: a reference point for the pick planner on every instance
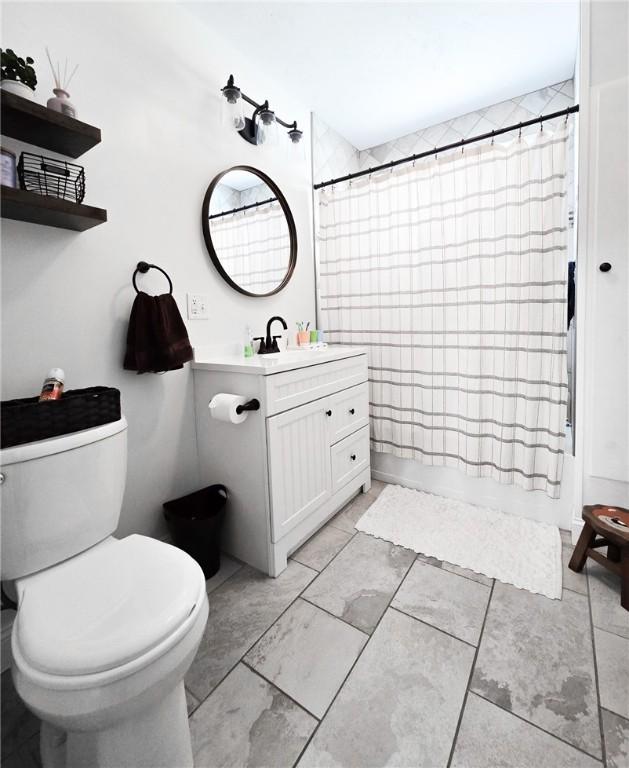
(249, 231)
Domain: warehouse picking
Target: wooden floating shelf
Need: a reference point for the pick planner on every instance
(20, 205)
(35, 124)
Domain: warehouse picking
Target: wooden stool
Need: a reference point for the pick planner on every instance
(606, 522)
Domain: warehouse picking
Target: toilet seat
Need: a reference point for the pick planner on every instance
(106, 609)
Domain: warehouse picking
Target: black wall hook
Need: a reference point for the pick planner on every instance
(144, 266)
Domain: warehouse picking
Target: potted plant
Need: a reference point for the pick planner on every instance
(18, 76)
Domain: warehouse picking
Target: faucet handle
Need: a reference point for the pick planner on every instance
(262, 348)
(275, 346)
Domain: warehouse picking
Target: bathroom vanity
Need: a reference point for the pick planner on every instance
(292, 464)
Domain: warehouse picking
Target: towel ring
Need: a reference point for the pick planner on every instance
(144, 266)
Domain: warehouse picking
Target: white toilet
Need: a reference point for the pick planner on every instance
(106, 628)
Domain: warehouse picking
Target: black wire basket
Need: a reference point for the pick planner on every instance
(26, 419)
(51, 178)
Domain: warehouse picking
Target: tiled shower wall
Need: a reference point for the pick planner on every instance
(224, 197)
(333, 155)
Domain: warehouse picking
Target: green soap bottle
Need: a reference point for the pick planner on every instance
(248, 345)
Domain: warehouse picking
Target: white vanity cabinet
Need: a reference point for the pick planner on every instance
(294, 463)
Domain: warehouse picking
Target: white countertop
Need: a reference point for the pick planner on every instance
(264, 365)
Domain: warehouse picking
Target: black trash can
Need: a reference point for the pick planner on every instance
(194, 523)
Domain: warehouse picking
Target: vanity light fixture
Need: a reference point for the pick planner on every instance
(261, 127)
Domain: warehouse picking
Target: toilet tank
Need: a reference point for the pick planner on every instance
(60, 496)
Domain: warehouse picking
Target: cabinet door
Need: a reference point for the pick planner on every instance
(299, 464)
(350, 411)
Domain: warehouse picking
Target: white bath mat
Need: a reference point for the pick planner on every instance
(512, 549)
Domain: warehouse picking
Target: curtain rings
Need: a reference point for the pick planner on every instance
(492, 138)
(541, 124)
(520, 133)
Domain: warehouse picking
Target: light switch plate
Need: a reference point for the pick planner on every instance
(198, 306)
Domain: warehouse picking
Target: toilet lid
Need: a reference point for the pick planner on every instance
(105, 607)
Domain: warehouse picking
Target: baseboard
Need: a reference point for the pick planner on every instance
(5, 636)
(388, 477)
(577, 527)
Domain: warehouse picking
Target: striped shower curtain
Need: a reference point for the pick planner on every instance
(253, 246)
(452, 272)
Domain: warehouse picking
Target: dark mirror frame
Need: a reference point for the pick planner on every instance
(205, 222)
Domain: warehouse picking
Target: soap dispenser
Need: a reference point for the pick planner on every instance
(248, 343)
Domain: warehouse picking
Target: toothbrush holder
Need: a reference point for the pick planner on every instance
(303, 338)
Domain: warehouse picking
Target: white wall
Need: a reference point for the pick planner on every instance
(149, 77)
(602, 307)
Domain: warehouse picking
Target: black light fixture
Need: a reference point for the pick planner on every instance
(261, 127)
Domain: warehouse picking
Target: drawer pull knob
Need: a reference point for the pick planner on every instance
(353, 457)
(352, 411)
(328, 413)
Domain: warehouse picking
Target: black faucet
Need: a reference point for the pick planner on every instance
(269, 345)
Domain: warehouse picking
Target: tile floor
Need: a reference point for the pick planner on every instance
(362, 654)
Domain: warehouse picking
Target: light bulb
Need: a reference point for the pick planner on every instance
(231, 109)
(296, 143)
(267, 128)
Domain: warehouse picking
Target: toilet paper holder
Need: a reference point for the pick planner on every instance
(252, 405)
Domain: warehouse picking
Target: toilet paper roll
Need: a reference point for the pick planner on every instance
(223, 408)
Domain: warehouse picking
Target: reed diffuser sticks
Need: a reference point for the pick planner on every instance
(61, 84)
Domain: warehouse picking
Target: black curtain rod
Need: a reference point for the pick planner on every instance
(454, 145)
(242, 208)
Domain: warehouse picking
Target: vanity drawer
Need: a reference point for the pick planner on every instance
(292, 388)
(350, 411)
(349, 457)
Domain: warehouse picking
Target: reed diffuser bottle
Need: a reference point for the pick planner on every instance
(60, 102)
